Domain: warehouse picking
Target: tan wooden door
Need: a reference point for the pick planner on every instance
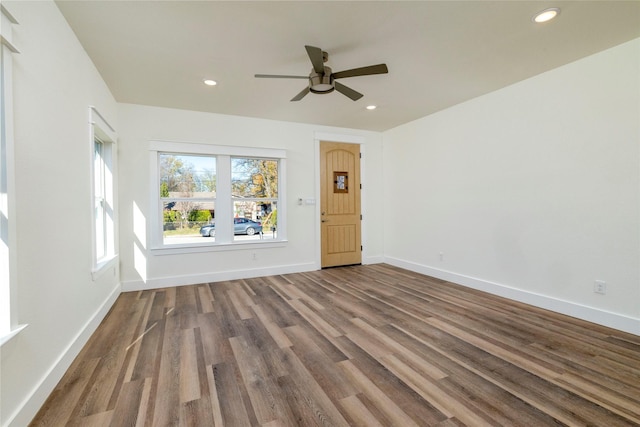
(340, 204)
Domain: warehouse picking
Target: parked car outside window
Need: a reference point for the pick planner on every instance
(240, 226)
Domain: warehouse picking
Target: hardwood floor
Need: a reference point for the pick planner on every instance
(362, 346)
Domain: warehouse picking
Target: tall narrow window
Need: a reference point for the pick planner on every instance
(103, 193)
(9, 326)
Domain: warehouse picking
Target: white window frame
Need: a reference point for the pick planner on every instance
(103, 173)
(224, 201)
(9, 326)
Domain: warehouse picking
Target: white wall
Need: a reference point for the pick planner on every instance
(531, 192)
(54, 85)
(142, 268)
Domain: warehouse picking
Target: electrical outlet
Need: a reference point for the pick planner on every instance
(254, 256)
(441, 256)
(600, 287)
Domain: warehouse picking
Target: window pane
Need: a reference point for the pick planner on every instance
(254, 178)
(187, 221)
(187, 176)
(98, 169)
(100, 205)
(100, 228)
(254, 220)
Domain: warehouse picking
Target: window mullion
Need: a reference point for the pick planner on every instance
(224, 213)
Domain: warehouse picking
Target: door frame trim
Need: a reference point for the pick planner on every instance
(347, 139)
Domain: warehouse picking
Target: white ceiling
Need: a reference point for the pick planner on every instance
(439, 53)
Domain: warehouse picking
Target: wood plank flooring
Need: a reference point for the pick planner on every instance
(355, 346)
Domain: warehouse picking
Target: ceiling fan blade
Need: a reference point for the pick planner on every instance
(301, 95)
(362, 71)
(315, 55)
(347, 91)
(279, 76)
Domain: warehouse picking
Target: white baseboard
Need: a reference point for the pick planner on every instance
(373, 260)
(219, 276)
(34, 401)
(590, 314)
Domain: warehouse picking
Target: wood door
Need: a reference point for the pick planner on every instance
(340, 204)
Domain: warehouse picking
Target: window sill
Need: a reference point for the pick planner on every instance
(7, 337)
(216, 247)
(104, 266)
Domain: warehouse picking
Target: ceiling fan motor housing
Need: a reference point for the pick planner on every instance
(321, 83)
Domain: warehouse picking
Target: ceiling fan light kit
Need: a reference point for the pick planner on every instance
(321, 83)
(322, 79)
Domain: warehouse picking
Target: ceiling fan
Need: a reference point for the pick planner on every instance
(323, 80)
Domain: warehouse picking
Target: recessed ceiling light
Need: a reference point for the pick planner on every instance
(371, 107)
(546, 15)
(210, 82)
